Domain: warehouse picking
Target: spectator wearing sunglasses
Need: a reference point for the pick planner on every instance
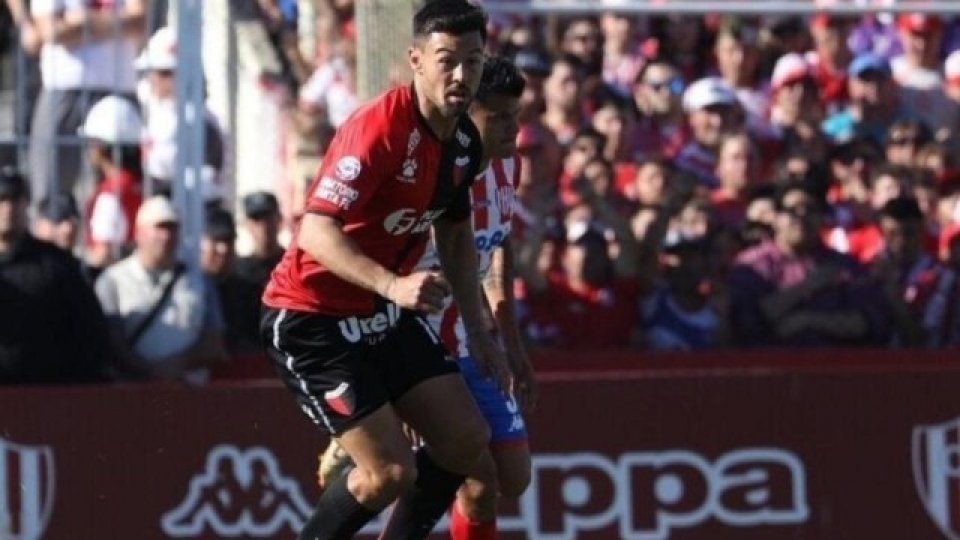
(904, 140)
(661, 130)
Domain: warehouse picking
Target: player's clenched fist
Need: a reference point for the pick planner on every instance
(421, 291)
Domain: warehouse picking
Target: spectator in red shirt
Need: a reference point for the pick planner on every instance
(922, 293)
(830, 58)
(590, 302)
(115, 130)
(661, 130)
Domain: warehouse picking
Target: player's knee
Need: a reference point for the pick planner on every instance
(514, 483)
(474, 443)
(390, 480)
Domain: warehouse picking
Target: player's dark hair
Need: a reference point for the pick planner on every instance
(500, 78)
(456, 17)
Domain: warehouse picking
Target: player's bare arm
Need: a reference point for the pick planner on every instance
(498, 287)
(322, 237)
(458, 258)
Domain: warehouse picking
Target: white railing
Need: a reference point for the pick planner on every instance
(699, 7)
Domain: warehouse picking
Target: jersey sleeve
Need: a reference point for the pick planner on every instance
(461, 208)
(353, 169)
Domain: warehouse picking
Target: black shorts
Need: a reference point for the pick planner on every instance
(343, 368)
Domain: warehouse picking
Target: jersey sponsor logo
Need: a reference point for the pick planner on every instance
(341, 399)
(506, 199)
(489, 242)
(408, 173)
(413, 141)
(239, 493)
(348, 168)
(371, 329)
(336, 193)
(406, 220)
(463, 139)
(655, 495)
(27, 489)
(936, 472)
(462, 161)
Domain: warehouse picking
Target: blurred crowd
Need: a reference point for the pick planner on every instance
(687, 183)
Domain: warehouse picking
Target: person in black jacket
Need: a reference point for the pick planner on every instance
(52, 330)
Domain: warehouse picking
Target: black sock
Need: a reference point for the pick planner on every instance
(418, 510)
(338, 515)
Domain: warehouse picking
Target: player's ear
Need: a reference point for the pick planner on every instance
(415, 57)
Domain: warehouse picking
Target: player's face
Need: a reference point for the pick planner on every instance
(448, 69)
(496, 118)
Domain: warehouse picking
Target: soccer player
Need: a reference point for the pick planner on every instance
(344, 322)
(505, 468)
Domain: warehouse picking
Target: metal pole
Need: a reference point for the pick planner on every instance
(700, 7)
(187, 193)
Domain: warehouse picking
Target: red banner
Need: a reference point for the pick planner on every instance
(845, 448)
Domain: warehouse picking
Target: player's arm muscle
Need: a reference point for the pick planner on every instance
(322, 238)
(458, 258)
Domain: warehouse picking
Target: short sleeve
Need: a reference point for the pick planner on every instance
(108, 223)
(353, 169)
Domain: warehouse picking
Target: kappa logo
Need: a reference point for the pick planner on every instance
(239, 493)
(936, 471)
(462, 161)
(27, 484)
(655, 495)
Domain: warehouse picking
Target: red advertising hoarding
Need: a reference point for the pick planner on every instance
(856, 448)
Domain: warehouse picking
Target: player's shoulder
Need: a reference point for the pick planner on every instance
(391, 111)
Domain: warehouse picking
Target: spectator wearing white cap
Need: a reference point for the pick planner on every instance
(114, 131)
(158, 63)
(712, 110)
(917, 70)
(167, 319)
(87, 53)
(951, 82)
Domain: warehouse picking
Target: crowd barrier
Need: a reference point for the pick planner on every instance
(772, 445)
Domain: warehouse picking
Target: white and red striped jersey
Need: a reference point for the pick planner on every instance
(493, 199)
